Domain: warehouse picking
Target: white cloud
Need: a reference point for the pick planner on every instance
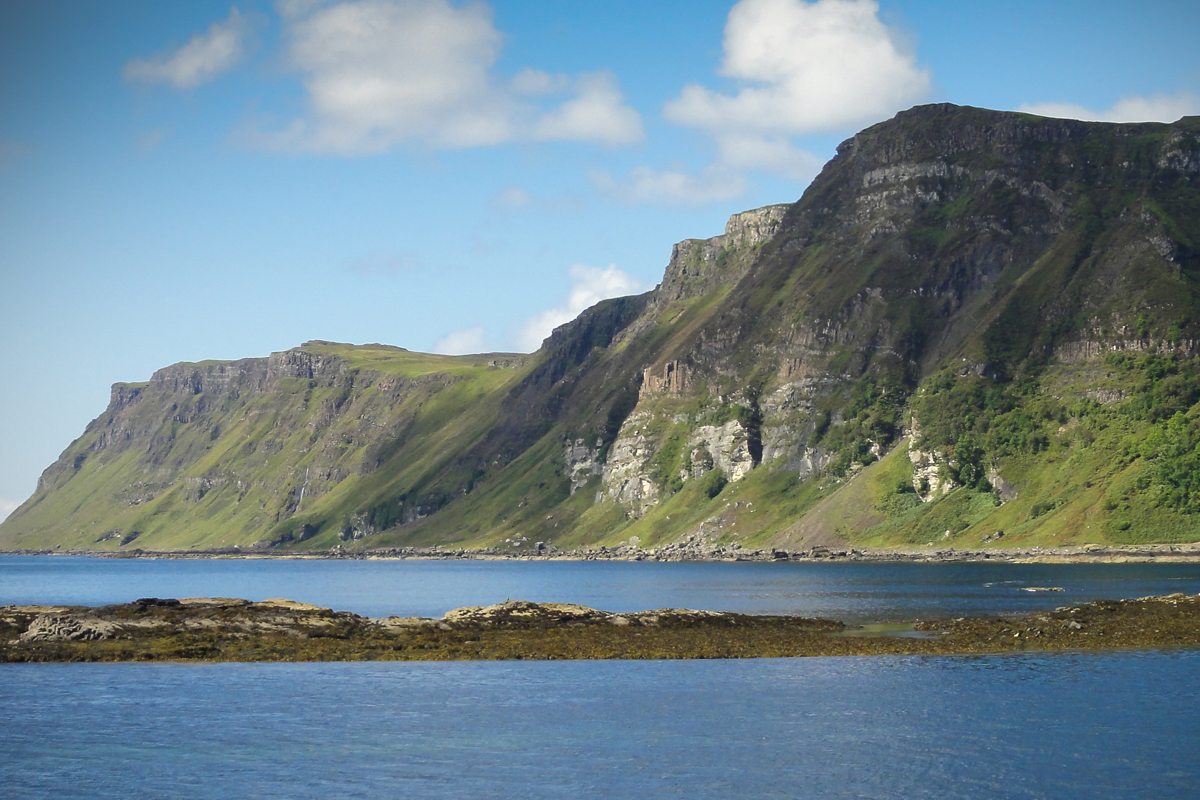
(770, 154)
(1155, 108)
(800, 68)
(7, 507)
(535, 82)
(804, 68)
(381, 264)
(384, 72)
(589, 285)
(510, 199)
(290, 9)
(461, 342)
(597, 113)
(673, 187)
(203, 58)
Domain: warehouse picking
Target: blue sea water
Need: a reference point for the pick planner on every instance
(1118, 725)
(853, 592)
(1068, 725)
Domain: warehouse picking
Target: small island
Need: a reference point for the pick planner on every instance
(225, 629)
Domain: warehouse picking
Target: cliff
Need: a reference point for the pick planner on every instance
(974, 326)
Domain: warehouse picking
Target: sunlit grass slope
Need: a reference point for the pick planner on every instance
(257, 457)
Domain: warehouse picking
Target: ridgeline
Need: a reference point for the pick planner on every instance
(976, 329)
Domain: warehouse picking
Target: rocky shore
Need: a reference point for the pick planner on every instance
(692, 549)
(224, 629)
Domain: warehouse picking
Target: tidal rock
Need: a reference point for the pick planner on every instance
(70, 628)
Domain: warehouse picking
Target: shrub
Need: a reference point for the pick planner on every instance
(713, 482)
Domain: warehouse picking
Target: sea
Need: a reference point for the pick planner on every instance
(1121, 724)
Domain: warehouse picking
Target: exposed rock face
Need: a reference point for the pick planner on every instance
(582, 463)
(788, 420)
(725, 447)
(64, 627)
(811, 461)
(299, 363)
(1005, 491)
(752, 228)
(1106, 396)
(525, 614)
(522, 612)
(671, 378)
(928, 479)
(698, 265)
(360, 527)
(625, 475)
(1085, 350)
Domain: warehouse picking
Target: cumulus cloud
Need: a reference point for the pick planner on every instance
(597, 113)
(1155, 108)
(381, 264)
(804, 68)
(589, 285)
(204, 57)
(461, 342)
(769, 154)
(384, 72)
(673, 187)
(801, 68)
(534, 82)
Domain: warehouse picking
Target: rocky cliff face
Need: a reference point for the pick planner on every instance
(946, 234)
(246, 446)
(1023, 288)
(700, 265)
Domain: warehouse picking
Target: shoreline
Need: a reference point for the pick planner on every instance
(686, 552)
(233, 630)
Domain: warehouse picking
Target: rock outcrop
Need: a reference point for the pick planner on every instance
(699, 265)
(626, 477)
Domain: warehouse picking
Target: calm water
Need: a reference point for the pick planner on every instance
(1030, 726)
(851, 592)
(1107, 725)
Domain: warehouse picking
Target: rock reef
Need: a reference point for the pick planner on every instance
(225, 629)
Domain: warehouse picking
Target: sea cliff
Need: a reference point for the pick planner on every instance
(974, 330)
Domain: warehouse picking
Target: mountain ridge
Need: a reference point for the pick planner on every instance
(962, 301)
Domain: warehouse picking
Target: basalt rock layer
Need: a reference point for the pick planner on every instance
(974, 329)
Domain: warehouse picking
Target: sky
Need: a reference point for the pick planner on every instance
(187, 181)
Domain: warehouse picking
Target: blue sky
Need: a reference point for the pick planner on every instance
(183, 181)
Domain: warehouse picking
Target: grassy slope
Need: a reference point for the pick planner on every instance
(268, 441)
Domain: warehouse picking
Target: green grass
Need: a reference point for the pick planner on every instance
(268, 442)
